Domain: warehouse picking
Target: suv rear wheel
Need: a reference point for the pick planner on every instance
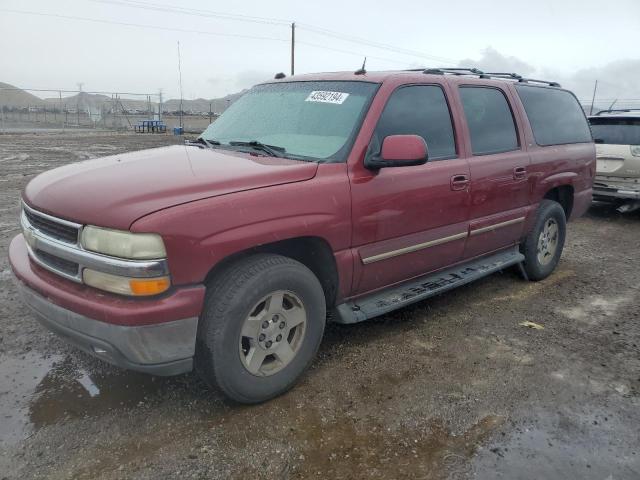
(261, 327)
(544, 243)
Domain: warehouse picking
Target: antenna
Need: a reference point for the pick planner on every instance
(362, 70)
(180, 82)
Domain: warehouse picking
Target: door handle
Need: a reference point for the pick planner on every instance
(519, 172)
(459, 182)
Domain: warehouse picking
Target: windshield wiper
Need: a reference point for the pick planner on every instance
(273, 150)
(202, 141)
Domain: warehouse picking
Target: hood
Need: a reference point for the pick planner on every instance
(115, 191)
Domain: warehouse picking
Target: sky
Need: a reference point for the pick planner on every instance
(228, 46)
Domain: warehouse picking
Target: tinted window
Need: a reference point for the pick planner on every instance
(315, 120)
(619, 131)
(418, 110)
(555, 116)
(490, 120)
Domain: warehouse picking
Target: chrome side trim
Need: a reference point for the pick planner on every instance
(496, 226)
(87, 259)
(77, 226)
(413, 248)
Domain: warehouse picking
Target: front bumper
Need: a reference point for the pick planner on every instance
(154, 335)
(161, 349)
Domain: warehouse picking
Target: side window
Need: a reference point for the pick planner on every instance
(555, 116)
(490, 120)
(418, 110)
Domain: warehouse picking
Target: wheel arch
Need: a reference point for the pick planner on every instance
(313, 252)
(563, 194)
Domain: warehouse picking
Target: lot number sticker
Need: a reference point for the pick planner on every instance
(337, 98)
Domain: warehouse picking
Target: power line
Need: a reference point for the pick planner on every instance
(163, 7)
(363, 41)
(350, 52)
(273, 21)
(138, 25)
(200, 32)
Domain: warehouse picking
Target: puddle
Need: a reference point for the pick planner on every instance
(36, 391)
(19, 378)
(347, 447)
(596, 445)
(347, 450)
(66, 392)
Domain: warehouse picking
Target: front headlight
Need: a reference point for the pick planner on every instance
(635, 150)
(117, 243)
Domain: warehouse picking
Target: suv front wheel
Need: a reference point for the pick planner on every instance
(543, 245)
(261, 327)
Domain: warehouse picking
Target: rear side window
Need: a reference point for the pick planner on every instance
(490, 120)
(418, 110)
(618, 131)
(555, 116)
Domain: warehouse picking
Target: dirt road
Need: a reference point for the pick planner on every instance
(452, 388)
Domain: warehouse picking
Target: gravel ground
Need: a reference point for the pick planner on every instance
(452, 388)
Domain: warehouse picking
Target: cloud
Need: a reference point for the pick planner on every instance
(493, 61)
(617, 80)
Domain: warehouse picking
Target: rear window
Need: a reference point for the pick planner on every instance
(489, 119)
(555, 116)
(617, 131)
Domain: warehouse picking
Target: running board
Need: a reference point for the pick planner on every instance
(421, 288)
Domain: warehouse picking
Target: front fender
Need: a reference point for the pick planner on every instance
(200, 234)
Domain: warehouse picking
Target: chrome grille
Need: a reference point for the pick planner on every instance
(53, 229)
(57, 228)
(59, 264)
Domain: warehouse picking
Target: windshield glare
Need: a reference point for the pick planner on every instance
(314, 120)
(617, 131)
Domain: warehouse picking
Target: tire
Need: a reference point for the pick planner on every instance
(539, 261)
(241, 300)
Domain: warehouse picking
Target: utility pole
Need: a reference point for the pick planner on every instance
(593, 99)
(160, 105)
(293, 48)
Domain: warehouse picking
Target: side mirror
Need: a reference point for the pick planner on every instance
(399, 151)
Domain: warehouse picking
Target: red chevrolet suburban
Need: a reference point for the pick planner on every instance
(337, 195)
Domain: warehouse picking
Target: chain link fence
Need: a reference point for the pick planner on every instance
(42, 109)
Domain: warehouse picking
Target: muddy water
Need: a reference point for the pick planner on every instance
(19, 379)
(37, 391)
(41, 392)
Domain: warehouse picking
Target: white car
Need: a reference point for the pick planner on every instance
(617, 137)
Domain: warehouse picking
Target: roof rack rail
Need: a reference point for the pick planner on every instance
(619, 110)
(480, 74)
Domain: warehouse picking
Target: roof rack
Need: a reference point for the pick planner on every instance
(480, 74)
(619, 110)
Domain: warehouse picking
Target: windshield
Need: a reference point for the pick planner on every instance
(314, 120)
(618, 131)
